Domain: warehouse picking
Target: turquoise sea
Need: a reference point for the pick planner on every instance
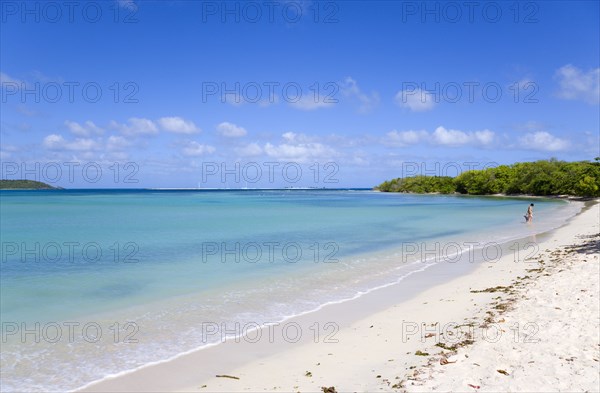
(98, 282)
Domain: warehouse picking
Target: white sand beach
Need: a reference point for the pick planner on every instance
(509, 325)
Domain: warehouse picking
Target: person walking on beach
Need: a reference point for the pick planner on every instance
(529, 215)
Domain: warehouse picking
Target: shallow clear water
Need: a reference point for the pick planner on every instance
(94, 282)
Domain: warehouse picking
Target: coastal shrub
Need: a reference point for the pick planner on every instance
(419, 185)
(24, 184)
(544, 178)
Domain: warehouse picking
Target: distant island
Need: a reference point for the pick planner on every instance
(25, 185)
(539, 178)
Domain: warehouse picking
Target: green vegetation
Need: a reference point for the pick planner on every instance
(25, 185)
(544, 178)
(420, 185)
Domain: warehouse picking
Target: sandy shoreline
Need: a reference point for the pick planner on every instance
(370, 343)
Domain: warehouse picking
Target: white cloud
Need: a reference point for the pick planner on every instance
(6, 79)
(526, 86)
(293, 137)
(7, 150)
(128, 4)
(485, 137)
(300, 153)
(359, 160)
(530, 125)
(296, 148)
(231, 130)
(310, 102)
(27, 111)
(57, 142)
(136, 126)
(542, 140)
(443, 136)
(54, 142)
(82, 144)
(234, 99)
(87, 129)
(117, 143)
(416, 100)
(195, 149)
(250, 150)
(119, 156)
(289, 136)
(403, 138)
(350, 89)
(178, 125)
(592, 144)
(576, 84)
(440, 136)
(11, 148)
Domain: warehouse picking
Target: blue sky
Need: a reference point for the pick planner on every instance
(292, 93)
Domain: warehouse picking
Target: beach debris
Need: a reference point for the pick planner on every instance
(429, 335)
(203, 386)
(502, 372)
(445, 360)
(455, 346)
(378, 376)
(399, 385)
(474, 386)
(420, 353)
(330, 389)
(308, 374)
(491, 290)
(226, 376)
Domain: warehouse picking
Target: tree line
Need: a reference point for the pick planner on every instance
(544, 178)
(25, 185)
